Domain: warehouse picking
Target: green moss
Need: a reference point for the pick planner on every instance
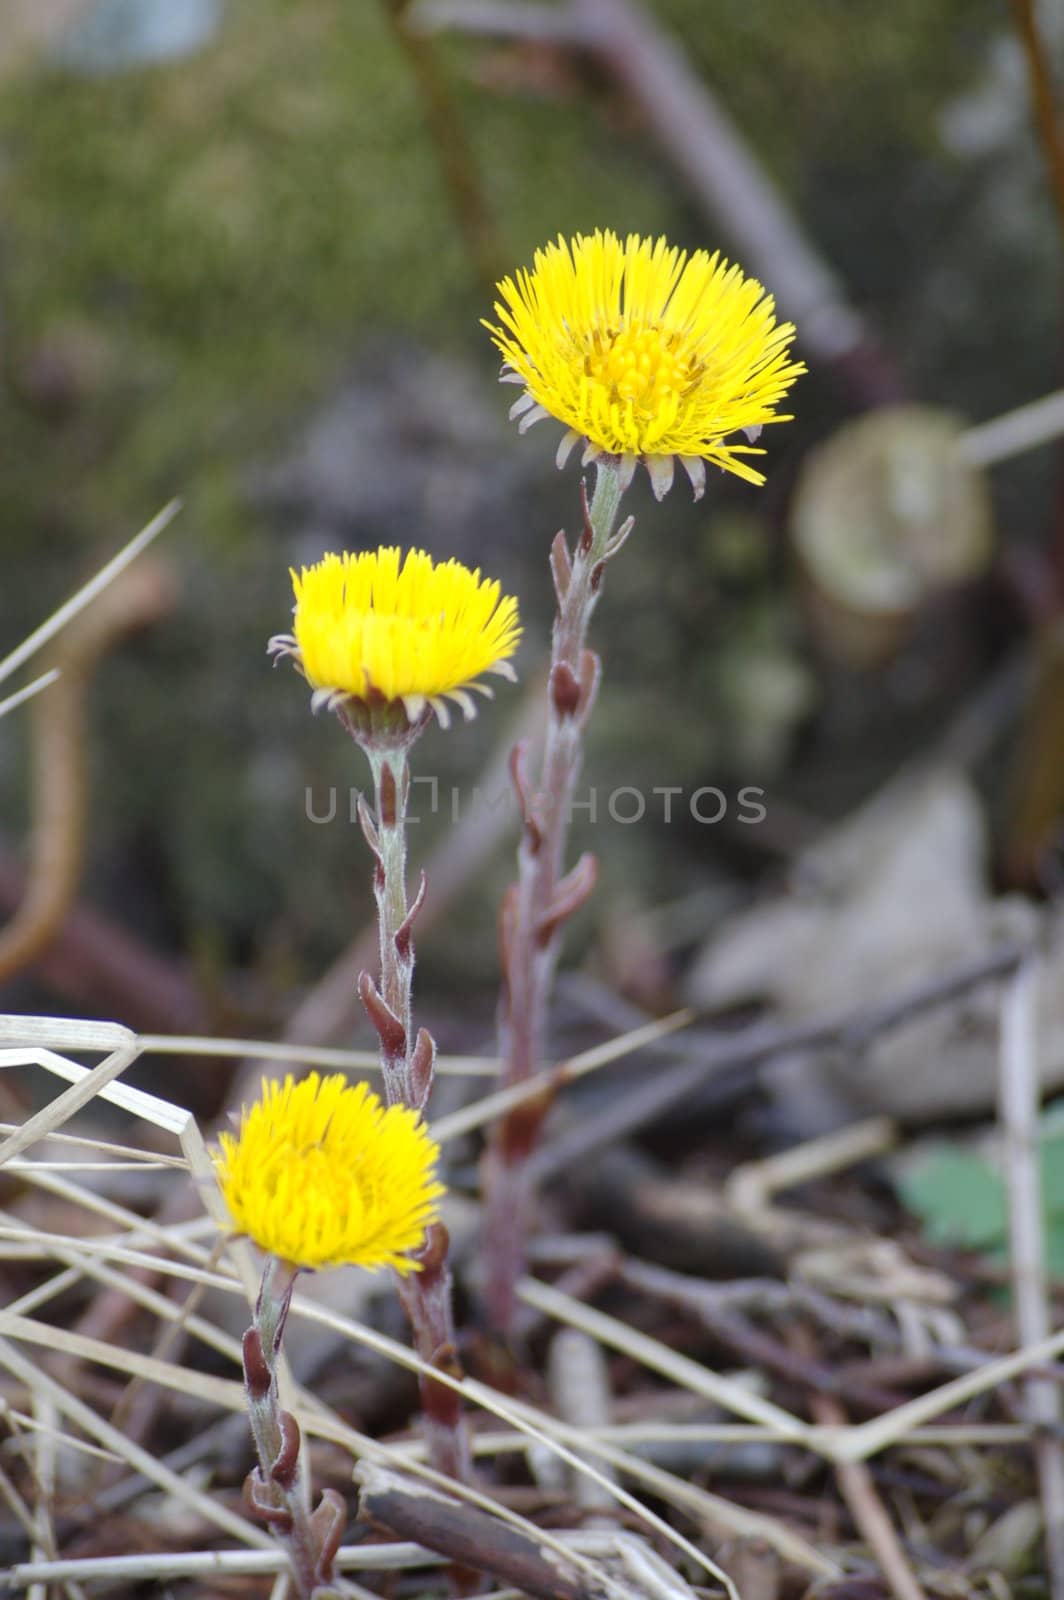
(192, 257)
(230, 225)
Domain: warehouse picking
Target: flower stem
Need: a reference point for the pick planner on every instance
(539, 903)
(407, 1066)
(391, 785)
(427, 1300)
(278, 1490)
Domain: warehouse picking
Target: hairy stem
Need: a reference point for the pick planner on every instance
(427, 1300)
(539, 903)
(406, 1064)
(391, 784)
(278, 1491)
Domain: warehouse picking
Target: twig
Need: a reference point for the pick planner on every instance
(160, 1112)
(211, 1563)
(756, 1183)
(669, 1363)
(450, 142)
(28, 691)
(569, 1445)
(716, 1058)
(721, 1516)
(470, 1537)
(769, 1297)
(1045, 111)
(138, 1405)
(44, 1484)
(869, 1438)
(718, 1312)
(77, 602)
(354, 1062)
(580, 1388)
(868, 1511)
(545, 1085)
(59, 739)
(845, 1444)
(84, 1089)
(1018, 1101)
(1014, 432)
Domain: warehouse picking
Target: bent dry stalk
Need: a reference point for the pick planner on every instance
(537, 906)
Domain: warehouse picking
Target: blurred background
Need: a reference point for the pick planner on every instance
(244, 253)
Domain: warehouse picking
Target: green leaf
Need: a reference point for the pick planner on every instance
(1052, 1158)
(959, 1198)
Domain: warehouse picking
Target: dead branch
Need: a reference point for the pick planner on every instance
(411, 1510)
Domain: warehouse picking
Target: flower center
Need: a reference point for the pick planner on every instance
(638, 364)
(301, 1172)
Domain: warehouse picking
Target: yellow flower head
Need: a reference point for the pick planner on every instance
(377, 628)
(646, 353)
(321, 1175)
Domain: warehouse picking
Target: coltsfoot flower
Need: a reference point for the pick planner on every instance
(320, 1174)
(646, 353)
(378, 629)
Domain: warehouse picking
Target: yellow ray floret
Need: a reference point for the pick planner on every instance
(322, 1175)
(378, 625)
(645, 351)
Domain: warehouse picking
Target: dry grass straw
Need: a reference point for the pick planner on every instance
(184, 1252)
(190, 1252)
